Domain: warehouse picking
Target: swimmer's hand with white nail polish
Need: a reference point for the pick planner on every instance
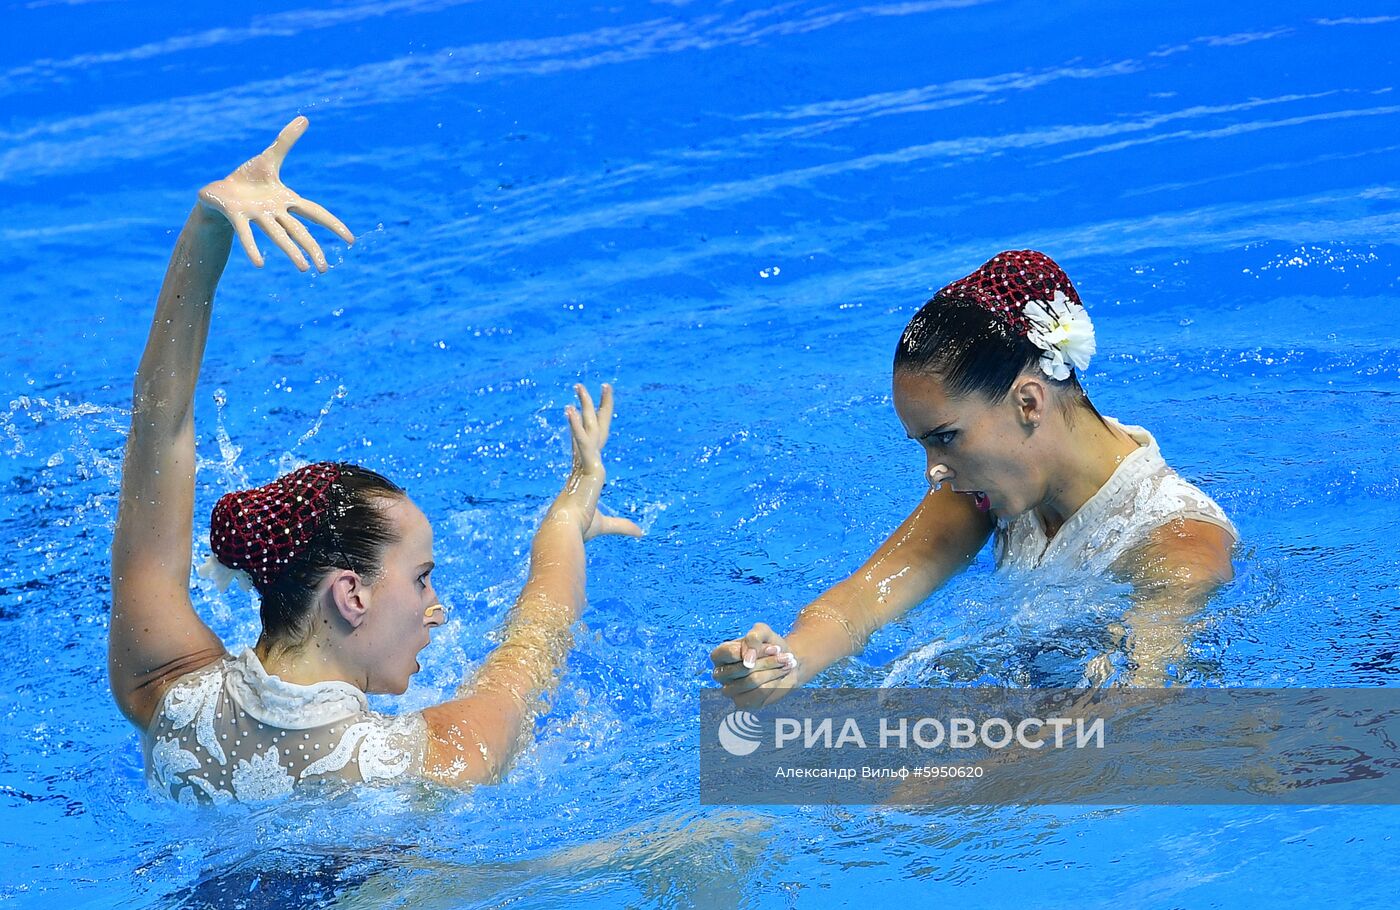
(255, 194)
(755, 670)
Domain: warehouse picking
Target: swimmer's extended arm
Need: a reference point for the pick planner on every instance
(474, 737)
(155, 635)
(938, 539)
(1173, 575)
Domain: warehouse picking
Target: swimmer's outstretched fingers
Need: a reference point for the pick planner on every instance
(589, 427)
(254, 194)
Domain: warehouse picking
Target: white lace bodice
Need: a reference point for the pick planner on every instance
(231, 732)
(1140, 496)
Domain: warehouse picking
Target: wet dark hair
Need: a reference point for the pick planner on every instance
(353, 535)
(975, 352)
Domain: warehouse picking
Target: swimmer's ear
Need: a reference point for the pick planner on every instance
(1031, 397)
(349, 597)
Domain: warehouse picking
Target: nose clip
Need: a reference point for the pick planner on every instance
(936, 475)
(435, 608)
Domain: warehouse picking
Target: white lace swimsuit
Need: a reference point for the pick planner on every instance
(231, 732)
(1141, 495)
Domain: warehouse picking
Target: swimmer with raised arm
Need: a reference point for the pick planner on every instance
(341, 558)
(985, 381)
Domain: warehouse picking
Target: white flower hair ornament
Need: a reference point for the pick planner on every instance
(221, 575)
(1061, 328)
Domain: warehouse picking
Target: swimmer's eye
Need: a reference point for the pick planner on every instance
(939, 439)
(423, 579)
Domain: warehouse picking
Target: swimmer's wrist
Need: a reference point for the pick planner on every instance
(585, 488)
(568, 510)
(210, 221)
(810, 658)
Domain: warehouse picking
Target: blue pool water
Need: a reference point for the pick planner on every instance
(728, 209)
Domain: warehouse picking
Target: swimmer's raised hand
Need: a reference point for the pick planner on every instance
(590, 427)
(255, 194)
(755, 670)
(474, 737)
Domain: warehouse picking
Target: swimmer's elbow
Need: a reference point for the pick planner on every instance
(1195, 583)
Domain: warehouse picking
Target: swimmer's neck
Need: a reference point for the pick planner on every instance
(1092, 452)
(306, 664)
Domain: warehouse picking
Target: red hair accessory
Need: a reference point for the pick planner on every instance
(260, 530)
(1007, 281)
(1033, 297)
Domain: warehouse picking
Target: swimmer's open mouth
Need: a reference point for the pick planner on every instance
(981, 499)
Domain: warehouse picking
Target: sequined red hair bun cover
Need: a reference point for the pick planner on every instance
(260, 530)
(1006, 282)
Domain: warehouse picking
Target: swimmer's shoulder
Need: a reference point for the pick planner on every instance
(1183, 551)
(144, 702)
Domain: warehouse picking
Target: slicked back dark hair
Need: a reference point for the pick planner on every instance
(354, 535)
(975, 353)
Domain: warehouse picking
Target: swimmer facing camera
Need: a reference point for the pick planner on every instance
(340, 556)
(986, 381)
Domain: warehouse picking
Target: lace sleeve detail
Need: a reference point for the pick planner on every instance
(233, 733)
(1162, 498)
(393, 747)
(1195, 505)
